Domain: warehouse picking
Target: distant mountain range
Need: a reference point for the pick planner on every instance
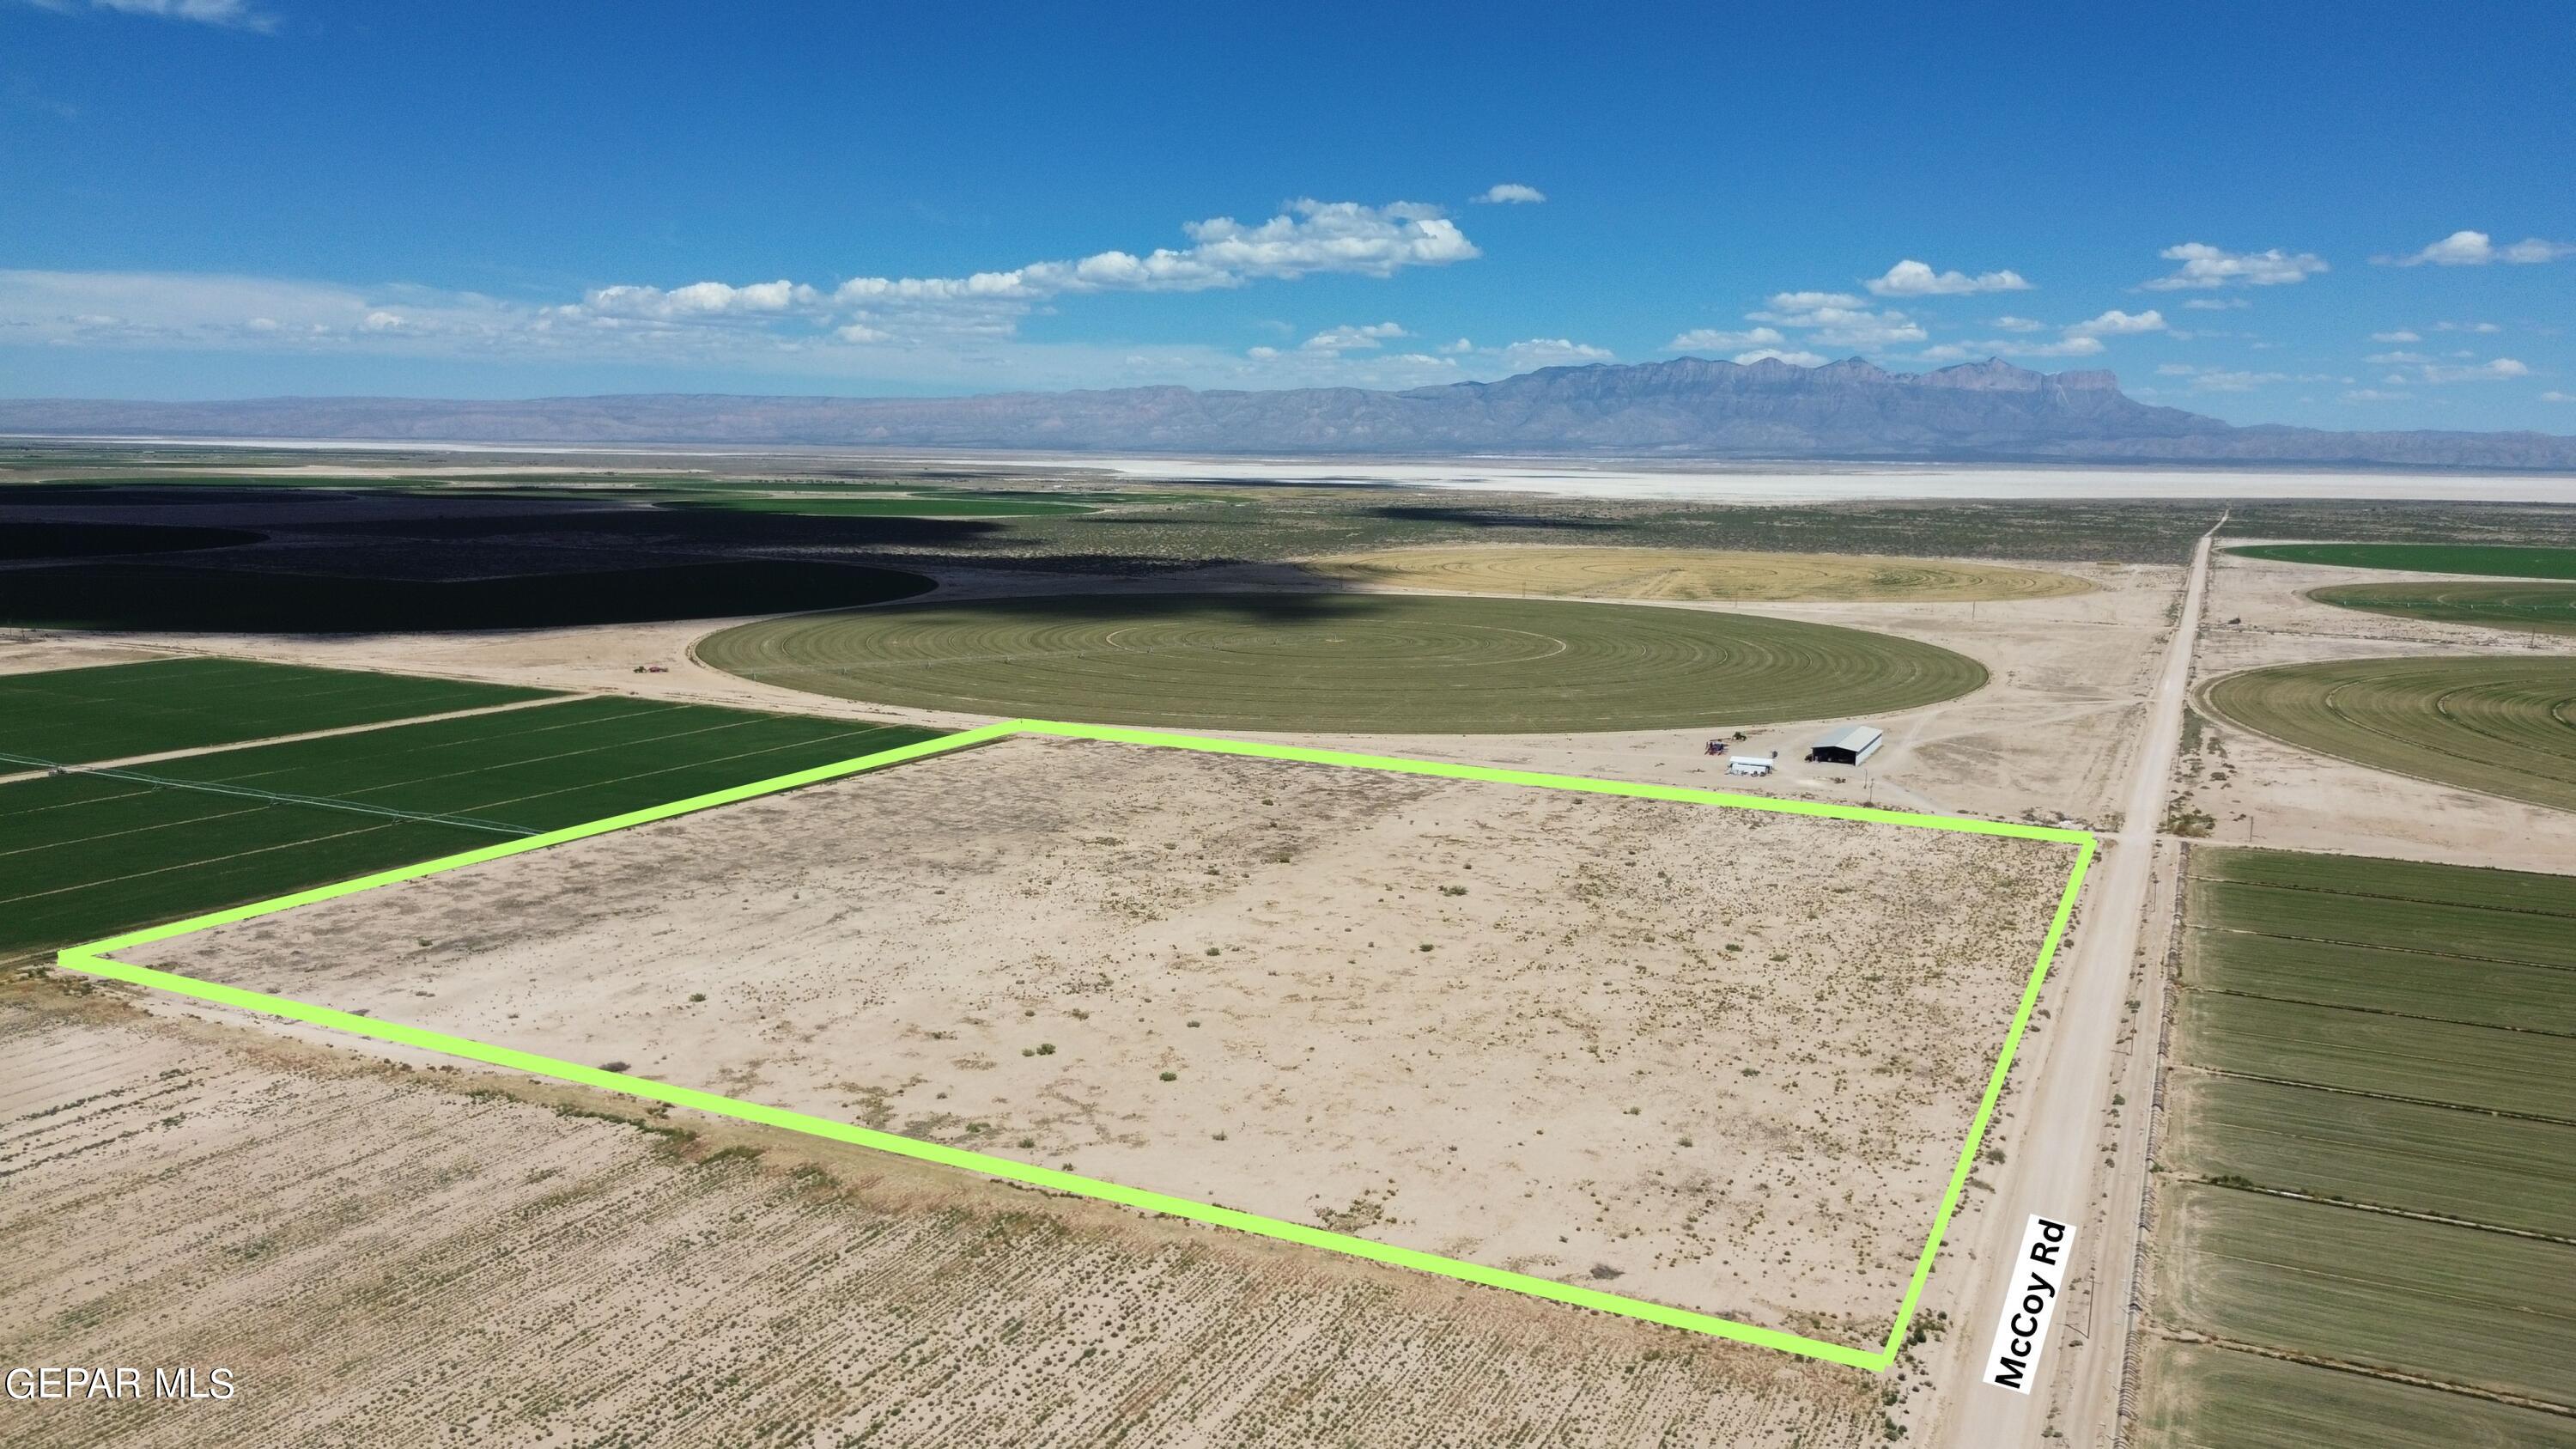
(1685, 408)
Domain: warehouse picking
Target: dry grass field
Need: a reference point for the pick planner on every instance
(390, 1256)
(1696, 575)
(1710, 1057)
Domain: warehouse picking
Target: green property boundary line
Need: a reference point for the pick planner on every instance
(94, 959)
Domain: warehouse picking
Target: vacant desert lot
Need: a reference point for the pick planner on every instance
(1708, 1056)
(388, 1257)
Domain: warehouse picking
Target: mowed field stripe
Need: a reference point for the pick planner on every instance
(160, 756)
(112, 711)
(2512, 995)
(2202, 1396)
(90, 853)
(418, 767)
(2426, 1061)
(300, 842)
(2368, 878)
(2392, 1294)
(2505, 1172)
(2430, 927)
(97, 959)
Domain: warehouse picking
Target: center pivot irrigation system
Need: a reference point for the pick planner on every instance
(96, 959)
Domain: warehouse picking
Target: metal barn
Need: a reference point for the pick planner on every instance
(1848, 746)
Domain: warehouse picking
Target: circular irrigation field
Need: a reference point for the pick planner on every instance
(1696, 573)
(2504, 726)
(1371, 663)
(2541, 608)
(2496, 560)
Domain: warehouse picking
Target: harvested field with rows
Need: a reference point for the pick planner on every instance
(2196, 1396)
(2385, 1292)
(1540, 1030)
(388, 1256)
(2369, 1153)
(1695, 575)
(2506, 726)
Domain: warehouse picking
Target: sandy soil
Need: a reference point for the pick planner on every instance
(2264, 792)
(23, 652)
(382, 1257)
(1709, 1057)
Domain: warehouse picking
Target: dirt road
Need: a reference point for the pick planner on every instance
(2057, 1162)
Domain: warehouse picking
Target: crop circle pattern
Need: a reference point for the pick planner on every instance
(2504, 726)
(1368, 663)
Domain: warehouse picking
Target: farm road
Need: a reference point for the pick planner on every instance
(2056, 1156)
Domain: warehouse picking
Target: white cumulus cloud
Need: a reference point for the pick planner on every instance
(1512, 193)
(2400, 335)
(1838, 319)
(2205, 266)
(907, 329)
(1773, 354)
(1910, 278)
(698, 299)
(2477, 249)
(2115, 323)
(1310, 238)
(1345, 339)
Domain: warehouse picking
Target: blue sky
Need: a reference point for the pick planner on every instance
(2352, 215)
